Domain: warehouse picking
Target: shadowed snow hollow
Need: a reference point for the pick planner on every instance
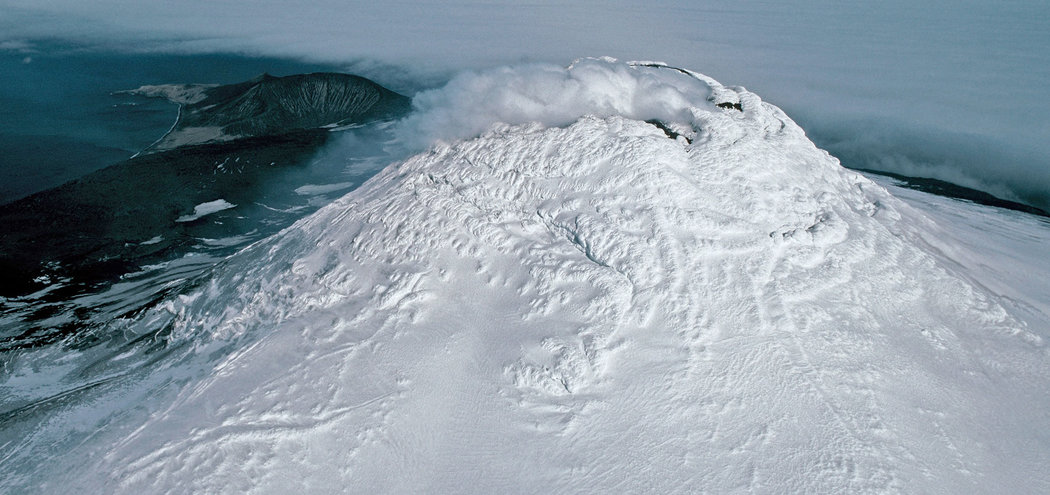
(590, 307)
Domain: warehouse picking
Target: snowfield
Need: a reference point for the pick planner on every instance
(588, 305)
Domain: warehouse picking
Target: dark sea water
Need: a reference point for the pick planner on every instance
(60, 118)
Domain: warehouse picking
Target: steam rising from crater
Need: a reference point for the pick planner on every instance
(551, 95)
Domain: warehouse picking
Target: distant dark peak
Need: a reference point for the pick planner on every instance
(265, 76)
(730, 105)
(269, 105)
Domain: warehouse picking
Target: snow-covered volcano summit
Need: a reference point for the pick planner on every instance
(596, 307)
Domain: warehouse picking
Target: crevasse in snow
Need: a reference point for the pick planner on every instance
(579, 305)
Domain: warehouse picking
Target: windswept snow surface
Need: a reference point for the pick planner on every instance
(592, 307)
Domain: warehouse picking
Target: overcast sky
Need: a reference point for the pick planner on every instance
(956, 89)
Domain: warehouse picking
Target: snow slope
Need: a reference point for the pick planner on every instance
(589, 307)
(1005, 251)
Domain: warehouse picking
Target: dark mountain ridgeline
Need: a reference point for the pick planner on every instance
(947, 189)
(268, 105)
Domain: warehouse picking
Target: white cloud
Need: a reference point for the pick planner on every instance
(17, 46)
(551, 95)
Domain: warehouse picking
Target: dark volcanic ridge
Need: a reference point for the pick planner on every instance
(268, 105)
(950, 190)
(100, 225)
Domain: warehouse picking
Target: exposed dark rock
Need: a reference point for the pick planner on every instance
(269, 105)
(942, 188)
(98, 227)
(730, 106)
(671, 133)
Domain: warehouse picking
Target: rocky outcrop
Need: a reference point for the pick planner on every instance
(269, 105)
